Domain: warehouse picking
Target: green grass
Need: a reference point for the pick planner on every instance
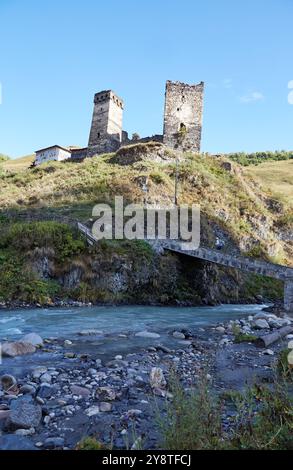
(257, 158)
(263, 419)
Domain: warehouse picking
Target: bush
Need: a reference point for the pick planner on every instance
(256, 158)
(263, 419)
(27, 236)
(192, 422)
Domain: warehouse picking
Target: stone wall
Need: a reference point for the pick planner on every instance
(183, 116)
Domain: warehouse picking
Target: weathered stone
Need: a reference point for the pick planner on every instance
(17, 348)
(34, 339)
(27, 389)
(220, 329)
(105, 407)
(46, 378)
(46, 390)
(92, 410)
(290, 344)
(24, 415)
(105, 394)
(54, 443)
(38, 371)
(183, 116)
(157, 379)
(261, 324)
(80, 391)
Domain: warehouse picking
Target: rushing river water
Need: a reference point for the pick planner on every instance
(68, 322)
(117, 325)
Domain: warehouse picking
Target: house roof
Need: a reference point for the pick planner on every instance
(53, 146)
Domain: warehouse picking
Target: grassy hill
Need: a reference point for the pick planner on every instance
(18, 164)
(251, 206)
(276, 178)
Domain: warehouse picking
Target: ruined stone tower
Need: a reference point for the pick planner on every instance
(106, 130)
(183, 116)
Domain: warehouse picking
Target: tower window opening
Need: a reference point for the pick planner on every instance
(182, 127)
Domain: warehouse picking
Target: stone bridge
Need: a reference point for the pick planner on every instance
(256, 266)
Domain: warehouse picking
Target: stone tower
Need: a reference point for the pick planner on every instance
(183, 116)
(106, 130)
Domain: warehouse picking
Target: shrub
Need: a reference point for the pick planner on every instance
(193, 421)
(27, 236)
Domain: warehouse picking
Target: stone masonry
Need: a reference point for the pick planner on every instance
(106, 130)
(183, 116)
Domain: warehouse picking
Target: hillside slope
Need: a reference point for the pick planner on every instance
(251, 217)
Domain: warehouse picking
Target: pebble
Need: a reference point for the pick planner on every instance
(269, 352)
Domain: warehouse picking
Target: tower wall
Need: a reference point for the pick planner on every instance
(106, 130)
(183, 116)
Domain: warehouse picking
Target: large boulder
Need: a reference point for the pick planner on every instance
(34, 339)
(17, 348)
(24, 415)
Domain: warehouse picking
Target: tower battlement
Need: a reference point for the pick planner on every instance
(106, 129)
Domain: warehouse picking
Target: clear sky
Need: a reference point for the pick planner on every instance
(54, 55)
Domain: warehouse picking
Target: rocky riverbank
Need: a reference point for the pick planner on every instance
(67, 390)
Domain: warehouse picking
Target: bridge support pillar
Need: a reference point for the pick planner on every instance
(288, 296)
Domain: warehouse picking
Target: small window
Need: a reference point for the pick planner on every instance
(182, 127)
(99, 135)
(178, 109)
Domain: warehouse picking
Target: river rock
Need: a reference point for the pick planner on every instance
(147, 334)
(178, 335)
(7, 381)
(92, 410)
(38, 371)
(157, 379)
(261, 324)
(46, 378)
(17, 348)
(80, 391)
(269, 352)
(105, 407)
(34, 339)
(27, 389)
(24, 415)
(54, 442)
(220, 329)
(105, 394)
(46, 390)
(14, 442)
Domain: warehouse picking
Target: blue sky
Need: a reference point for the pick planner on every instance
(54, 55)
